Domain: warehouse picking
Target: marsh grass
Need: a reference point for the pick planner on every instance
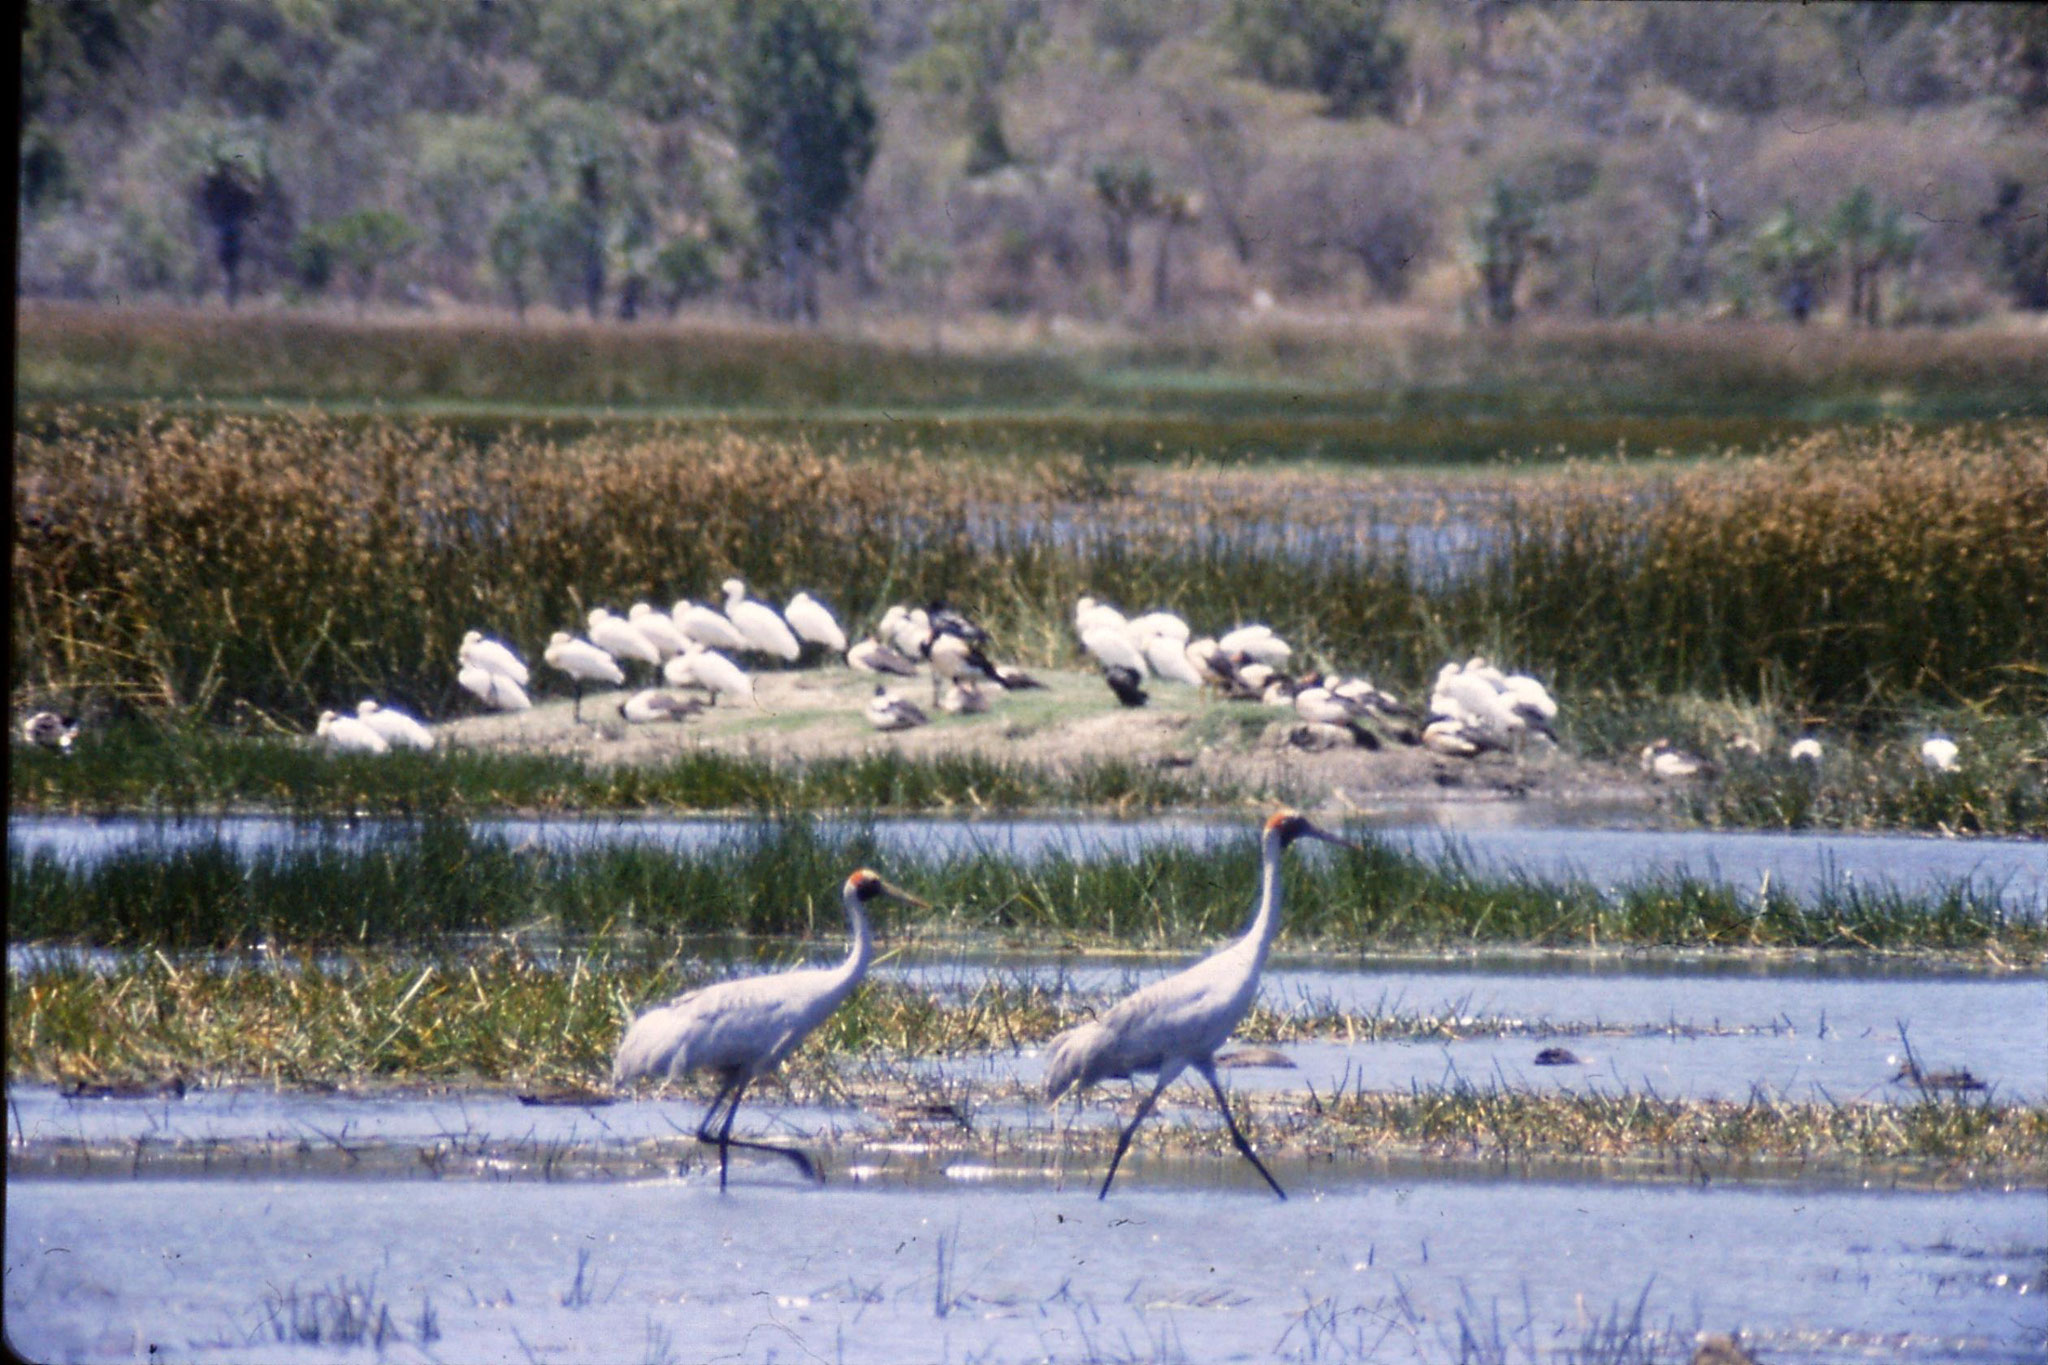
(1275, 369)
(297, 562)
(413, 886)
(503, 1018)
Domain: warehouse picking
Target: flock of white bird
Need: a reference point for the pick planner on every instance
(1474, 707)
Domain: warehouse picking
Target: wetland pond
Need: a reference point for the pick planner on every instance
(245, 1224)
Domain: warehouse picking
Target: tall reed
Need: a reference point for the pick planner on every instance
(298, 562)
(414, 885)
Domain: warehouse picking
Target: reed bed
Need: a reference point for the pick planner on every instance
(502, 1017)
(292, 563)
(410, 887)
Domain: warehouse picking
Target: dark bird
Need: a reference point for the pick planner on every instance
(1124, 682)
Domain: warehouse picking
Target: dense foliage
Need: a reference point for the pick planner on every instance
(1880, 162)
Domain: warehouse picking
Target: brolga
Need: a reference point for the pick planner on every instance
(741, 1030)
(1179, 1022)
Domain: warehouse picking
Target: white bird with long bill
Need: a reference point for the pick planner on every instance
(399, 730)
(1180, 1022)
(479, 651)
(741, 1030)
(583, 662)
(813, 621)
(765, 630)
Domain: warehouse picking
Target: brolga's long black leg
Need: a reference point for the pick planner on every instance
(729, 1091)
(1208, 1070)
(1123, 1142)
(726, 1140)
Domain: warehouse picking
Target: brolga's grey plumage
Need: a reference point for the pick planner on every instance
(1179, 1022)
(741, 1030)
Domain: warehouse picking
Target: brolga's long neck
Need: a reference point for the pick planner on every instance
(856, 965)
(1266, 922)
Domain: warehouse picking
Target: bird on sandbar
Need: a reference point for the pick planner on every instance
(1181, 1021)
(399, 730)
(766, 631)
(887, 711)
(1126, 684)
(347, 735)
(480, 651)
(813, 622)
(583, 662)
(741, 1030)
(873, 656)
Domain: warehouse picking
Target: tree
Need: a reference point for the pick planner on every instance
(1505, 230)
(1126, 191)
(976, 45)
(2020, 244)
(1795, 258)
(1341, 49)
(686, 269)
(806, 132)
(1870, 239)
(367, 241)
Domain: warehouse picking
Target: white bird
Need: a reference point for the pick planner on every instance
(812, 621)
(653, 705)
(48, 730)
(399, 730)
(907, 628)
(347, 735)
(697, 666)
(741, 1030)
(1455, 739)
(1090, 614)
(1324, 707)
(887, 711)
(1805, 749)
(583, 662)
(1257, 642)
(1938, 753)
(1665, 761)
(478, 651)
(1181, 1021)
(494, 690)
(1159, 623)
(659, 628)
(1112, 647)
(621, 639)
(872, 656)
(706, 627)
(955, 659)
(766, 631)
(1168, 659)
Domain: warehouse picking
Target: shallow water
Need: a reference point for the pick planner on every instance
(1490, 841)
(1346, 1270)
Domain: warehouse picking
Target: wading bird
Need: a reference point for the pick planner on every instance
(347, 735)
(812, 621)
(659, 628)
(621, 639)
(766, 631)
(494, 690)
(478, 651)
(48, 730)
(399, 730)
(1179, 1022)
(697, 666)
(707, 627)
(583, 662)
(741, 1030)
(1665, 761)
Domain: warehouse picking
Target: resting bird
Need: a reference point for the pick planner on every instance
(886, 711)
(1181, 1021)
(1125, 683)
(742, 1030)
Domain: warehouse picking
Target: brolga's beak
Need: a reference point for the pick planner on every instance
(1315, 832)
(900, 894)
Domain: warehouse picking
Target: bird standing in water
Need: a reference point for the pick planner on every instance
(741, 1030)
(1180, 1022)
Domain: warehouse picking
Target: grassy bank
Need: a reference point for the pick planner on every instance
(293, 562)
(1268, 369)
(194, 769)
(416, 886)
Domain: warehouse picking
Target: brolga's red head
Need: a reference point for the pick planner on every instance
(1291, 824)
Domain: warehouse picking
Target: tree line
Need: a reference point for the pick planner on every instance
(1109, 158)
